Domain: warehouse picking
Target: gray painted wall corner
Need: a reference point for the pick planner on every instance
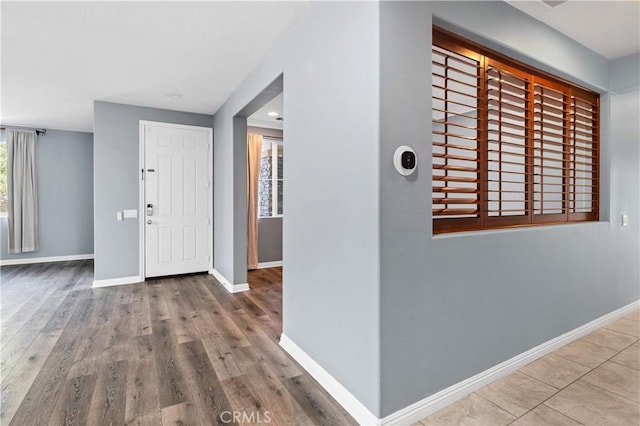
(624, 73)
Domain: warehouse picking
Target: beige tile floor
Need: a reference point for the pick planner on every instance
(592, 381)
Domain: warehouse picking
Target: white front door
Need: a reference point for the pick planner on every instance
(176, 203)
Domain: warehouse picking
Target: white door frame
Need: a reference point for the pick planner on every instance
(141, 192)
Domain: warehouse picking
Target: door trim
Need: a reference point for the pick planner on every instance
(141, 189)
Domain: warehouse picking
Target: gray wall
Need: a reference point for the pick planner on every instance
(64, 169)
(624, 73)
(116, 180)
(269, 239)
(455, 305)
(625, 106)
(269, 229)
(330, 65)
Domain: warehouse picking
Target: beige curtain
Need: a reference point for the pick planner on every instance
(254, 156)
(22, 204)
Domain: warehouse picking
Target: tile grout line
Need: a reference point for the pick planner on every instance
(588, 341)
(617, 352)
(532, 378)
(621, 332)
(622, 365)
(569, 384)
(537, 405)
(610, 391)
(550, 408)
(496, 405)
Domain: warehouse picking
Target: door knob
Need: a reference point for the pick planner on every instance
(149, 222)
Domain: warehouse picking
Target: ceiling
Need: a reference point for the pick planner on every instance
(261, 118)
(610, 28)
(57, 57)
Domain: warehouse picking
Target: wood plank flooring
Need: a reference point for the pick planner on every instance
(171, 351)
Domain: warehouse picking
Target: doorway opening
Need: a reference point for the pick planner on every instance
(266, 185)
(265, 172)
(241, 213)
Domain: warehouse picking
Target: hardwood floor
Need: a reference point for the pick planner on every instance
(171, 351)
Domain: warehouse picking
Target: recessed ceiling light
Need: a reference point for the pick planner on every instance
(272, 114)
(174, 95)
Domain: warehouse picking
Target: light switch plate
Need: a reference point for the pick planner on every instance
(625, 220)
(118, 216)
(130, 214)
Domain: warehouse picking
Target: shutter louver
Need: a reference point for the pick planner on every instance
(507, 152)
(456, 192)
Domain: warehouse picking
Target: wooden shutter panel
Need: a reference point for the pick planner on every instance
(455, 147)
(508, 119)
(550, 165)
(583, 157)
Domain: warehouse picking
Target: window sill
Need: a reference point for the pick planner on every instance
(280, 216)
(520, 229)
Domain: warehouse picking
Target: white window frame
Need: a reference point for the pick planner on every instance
(274, 177)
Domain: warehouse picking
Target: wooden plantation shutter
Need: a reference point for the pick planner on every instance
(511, 146)
(550, 166)
(456, 189)
(508, 109)
(584, 157)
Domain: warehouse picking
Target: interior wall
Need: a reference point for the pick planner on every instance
(624, 73)
(64, 172)
(330, 64)
(454, 305)
(625, 110)
(116, 181)
(269, 239)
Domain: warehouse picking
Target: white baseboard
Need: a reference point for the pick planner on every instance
(231, 288)
(117, 281)
(273, 264)
(29, 260)
(435, 402)
(439, 400)
(358, 411)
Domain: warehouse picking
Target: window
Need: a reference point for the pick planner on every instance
(4, 195)
(512, 146)
(270, 200)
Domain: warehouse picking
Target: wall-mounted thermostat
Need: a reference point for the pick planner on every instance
(404, 160)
